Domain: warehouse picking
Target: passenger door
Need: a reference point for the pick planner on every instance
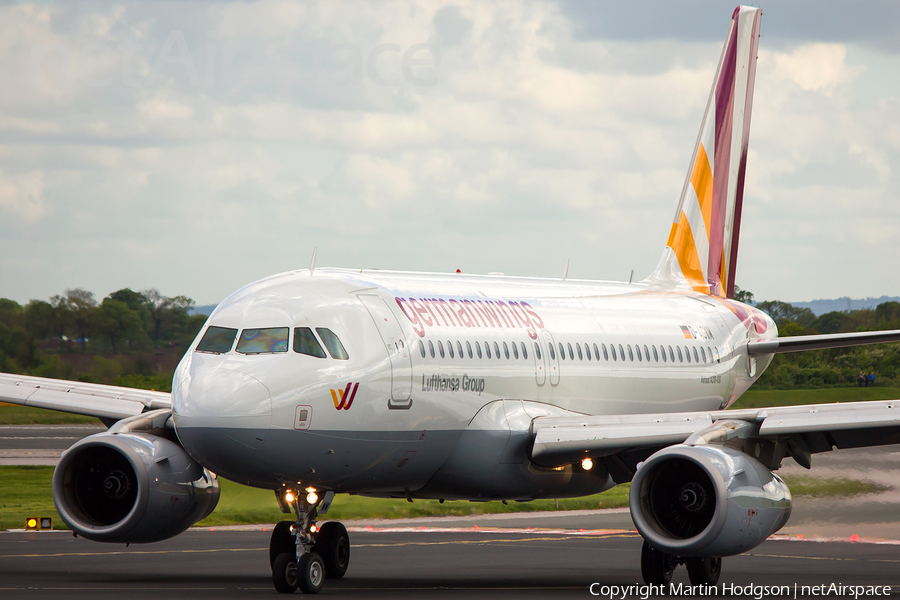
(396, 346)
(552, 357)
(540, 362)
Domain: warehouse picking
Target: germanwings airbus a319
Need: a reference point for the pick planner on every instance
(467, 387)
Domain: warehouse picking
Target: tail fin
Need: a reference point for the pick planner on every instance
(701, 253)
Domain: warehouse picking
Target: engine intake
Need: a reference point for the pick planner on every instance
(707, 501)
(131, 487)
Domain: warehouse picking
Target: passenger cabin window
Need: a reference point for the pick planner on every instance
(450, 348)
(630, 353)
(263, 341)
(431, 348)
(647, 352)
(612, 348)
(525, 351)
(487, 349)
(637, 350)
(422, 348)
(217, 340)
(506, 350)
(515, 350)
(552, 351)
(459, 347)
(580, 355)
(497, 351)
(441, 348)
(680, 359)
(562, 351)
(333, 343)
(478, 349)
(587, 351)
(537, 351)
(469, 348)
(656, 355)
(696, 358)
(306, 343)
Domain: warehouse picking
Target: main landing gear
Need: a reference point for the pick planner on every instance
(657, 567)
(302, 555)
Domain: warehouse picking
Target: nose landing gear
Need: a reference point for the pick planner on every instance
(303, 556)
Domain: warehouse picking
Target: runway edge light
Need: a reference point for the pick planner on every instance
(38, 523)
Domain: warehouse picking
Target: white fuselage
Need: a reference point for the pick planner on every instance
(405, 395)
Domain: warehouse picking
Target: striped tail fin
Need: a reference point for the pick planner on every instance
(701, 253)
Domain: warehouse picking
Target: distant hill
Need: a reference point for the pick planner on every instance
(820, 307)
(206, 309)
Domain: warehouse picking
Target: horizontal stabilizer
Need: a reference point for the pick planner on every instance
(817, 342)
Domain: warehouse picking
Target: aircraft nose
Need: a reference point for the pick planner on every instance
(221, 418)
(207, 397)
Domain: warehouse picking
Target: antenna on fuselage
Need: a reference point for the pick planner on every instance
(566, 272)
(312, 261)
(631, 277)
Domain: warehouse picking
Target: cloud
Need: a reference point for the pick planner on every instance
(503, 136)
(21, 196)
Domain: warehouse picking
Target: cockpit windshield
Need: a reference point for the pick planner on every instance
(333, 343)
(258, 341)
(306, 343)
(217, 340)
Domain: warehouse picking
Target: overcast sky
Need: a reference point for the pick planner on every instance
(195, 147)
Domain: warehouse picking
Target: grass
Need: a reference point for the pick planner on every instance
(25, 492)
(759, 398)
(13, 414)
(821, 487)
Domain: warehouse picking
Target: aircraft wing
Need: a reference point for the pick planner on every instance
(806, 430)
(799, 343)
(91, 399)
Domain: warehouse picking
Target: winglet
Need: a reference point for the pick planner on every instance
(701, 252)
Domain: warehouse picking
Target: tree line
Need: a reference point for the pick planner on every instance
(835, 366)
(136, 338)
(44, 337)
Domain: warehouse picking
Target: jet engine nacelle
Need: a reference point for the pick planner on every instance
(131, 487)
(694, 501)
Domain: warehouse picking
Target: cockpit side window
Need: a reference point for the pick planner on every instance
(217, 340)
(259, 341)
(333, 343)
(306, 343)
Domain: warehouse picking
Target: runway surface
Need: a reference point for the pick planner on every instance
(39, 444)
(483, 564)
(449, 557)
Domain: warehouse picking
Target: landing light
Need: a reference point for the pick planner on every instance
(289, 497)
(586, 464)
(312, 498)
